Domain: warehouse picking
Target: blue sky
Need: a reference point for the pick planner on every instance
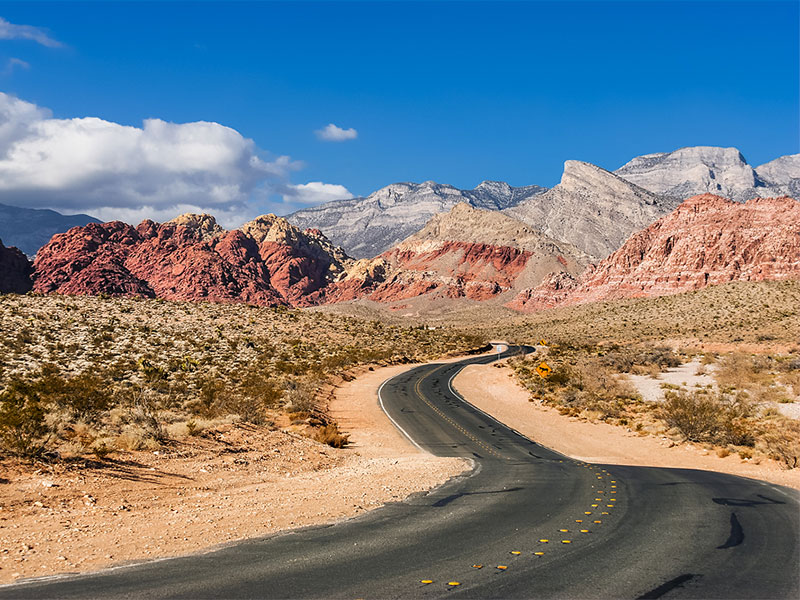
(450, 91)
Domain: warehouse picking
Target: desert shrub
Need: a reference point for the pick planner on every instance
(23, 426)
(782, 442)
(705, 417)
(330, 434)
(300, 396)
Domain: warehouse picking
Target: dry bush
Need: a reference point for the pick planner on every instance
(701, 416)
(782, 442)
(330, 434)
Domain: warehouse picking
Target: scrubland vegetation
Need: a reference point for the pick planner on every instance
(592, 347)
(84, 375)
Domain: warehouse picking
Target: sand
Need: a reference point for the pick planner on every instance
(233, 483)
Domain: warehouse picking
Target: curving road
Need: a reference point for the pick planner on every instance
(526, 522)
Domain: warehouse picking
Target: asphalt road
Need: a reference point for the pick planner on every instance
(527, 522)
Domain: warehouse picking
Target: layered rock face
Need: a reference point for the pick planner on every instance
(707, 240)
(466, 253)
(591, 209)
(15, 271)
(366, 227)
(266, 262)
(698, 170)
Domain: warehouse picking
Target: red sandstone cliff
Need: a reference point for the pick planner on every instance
(706, 240)
(465, 253)
(266, 262)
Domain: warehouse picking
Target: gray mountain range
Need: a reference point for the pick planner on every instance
(687, 172)
(591, 208)
(31, 228)
(366, 227)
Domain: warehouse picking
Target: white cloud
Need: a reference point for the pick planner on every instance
(156, 171)
(15, 63)
(332, 133)
(315, 192)
(9, 31)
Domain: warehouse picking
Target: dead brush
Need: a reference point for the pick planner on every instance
(329, 434)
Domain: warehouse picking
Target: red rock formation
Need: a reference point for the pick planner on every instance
(15, 271)
(547, 294)
(267, 262)
(449, 258)
(707, 240)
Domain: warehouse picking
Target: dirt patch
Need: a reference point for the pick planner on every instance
(237, 481)
(685, 376)
(494, 390)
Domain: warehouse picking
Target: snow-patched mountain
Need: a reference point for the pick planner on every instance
(688, 172)
(366, 227)
(592, 209)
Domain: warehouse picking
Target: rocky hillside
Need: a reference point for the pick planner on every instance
(366, 227)
(591, 209)
(708, 169)
(707, 240)
(465, 253)
(15, 271)
(29, 229)
(266, 262)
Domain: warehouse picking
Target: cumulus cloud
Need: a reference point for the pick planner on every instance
(315, 192)
(332, 133)
(9, 31)
(156, 171)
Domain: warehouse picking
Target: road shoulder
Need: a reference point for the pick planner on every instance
(493, 389)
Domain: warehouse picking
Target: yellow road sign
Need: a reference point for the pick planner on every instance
(543, 369)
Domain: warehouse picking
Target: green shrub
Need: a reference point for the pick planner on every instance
(23, 427)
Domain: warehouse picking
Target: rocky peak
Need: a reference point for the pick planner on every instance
(707, 240)
(204, 225)
(269, 228)
(691, 171)
(591, 208)
(464, 223)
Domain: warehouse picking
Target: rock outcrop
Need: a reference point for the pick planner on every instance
(466, 253)
(366, 227)
(15, 271)
(688, 172)
(592, 209)
(266, 262)
(707, 240)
